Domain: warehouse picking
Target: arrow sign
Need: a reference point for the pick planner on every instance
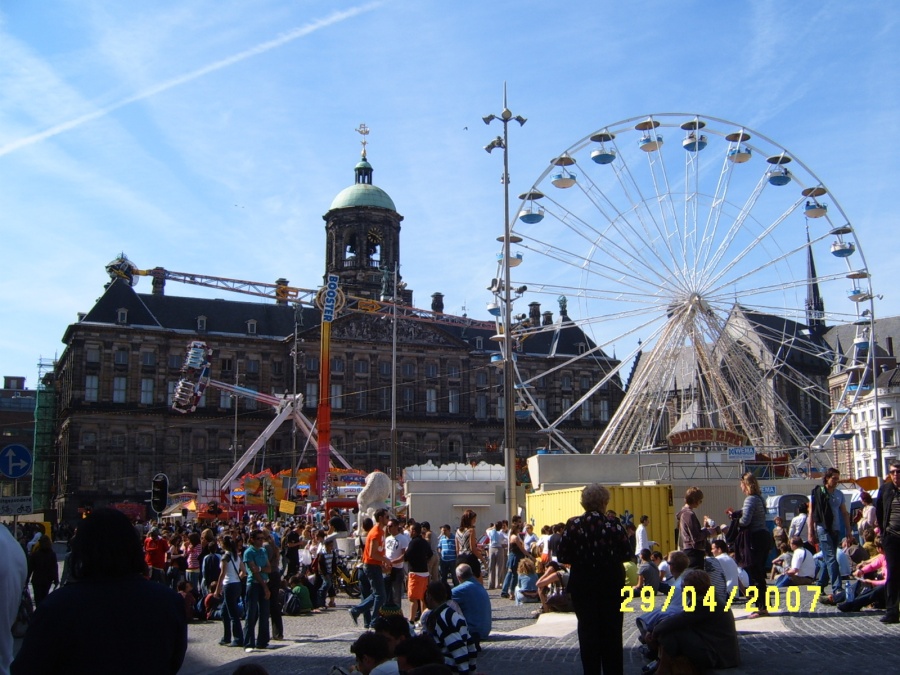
(15, 461)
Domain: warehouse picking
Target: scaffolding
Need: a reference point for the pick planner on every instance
(44, 434)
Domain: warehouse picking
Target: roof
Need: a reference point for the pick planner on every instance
(362, 194)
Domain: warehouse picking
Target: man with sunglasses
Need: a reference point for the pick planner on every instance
(888, 512)
(256, 560)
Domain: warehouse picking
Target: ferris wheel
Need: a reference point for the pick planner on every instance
(704, 262)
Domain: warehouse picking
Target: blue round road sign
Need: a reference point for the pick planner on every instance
(15, 461)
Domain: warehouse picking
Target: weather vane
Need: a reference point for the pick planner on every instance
(363, 130)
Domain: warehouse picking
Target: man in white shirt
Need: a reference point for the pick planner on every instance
(642, 537)
(729, 566)
(395, 545)
(802, 571)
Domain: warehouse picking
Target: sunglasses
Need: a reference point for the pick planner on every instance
(894, 471)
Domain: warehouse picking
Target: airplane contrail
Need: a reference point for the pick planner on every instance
(283, 39)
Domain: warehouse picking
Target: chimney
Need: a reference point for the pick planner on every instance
(158, 280)
(437, 303)
(890, 346)
(81, 316)
(534, 313)
(548, 318)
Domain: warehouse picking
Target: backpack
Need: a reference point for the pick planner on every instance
(23, 616)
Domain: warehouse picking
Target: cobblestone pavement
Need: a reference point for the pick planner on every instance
(787, 641)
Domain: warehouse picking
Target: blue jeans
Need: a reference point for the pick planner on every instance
(365, 590)
(323, 590)
(511, 581)
(828, 543)
(257, 610)
(231, 616)
(375, 600)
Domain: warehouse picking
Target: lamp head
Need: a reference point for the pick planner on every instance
(489, 118)
(521, 120)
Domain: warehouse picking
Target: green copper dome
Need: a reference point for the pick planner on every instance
(362, 194)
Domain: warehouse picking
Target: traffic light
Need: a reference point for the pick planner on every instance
(159, 493)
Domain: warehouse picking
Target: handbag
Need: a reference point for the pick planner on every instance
(23, 615)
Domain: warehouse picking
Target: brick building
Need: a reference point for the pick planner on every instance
(116, 377)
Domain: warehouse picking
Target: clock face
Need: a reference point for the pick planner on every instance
(375, 236)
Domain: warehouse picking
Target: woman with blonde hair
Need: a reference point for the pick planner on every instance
(526, 588)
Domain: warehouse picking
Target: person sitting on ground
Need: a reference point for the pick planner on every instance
(418, 652)
(716, 572)
(703, 639)
(298, 600)
(780, 533)
(186, 591)
(631, 573)
(552, 590)
(395, 628)
(373, 655)
(474, 602)
(660, 561)
(678, 564)
(729, 567)
(868, 539)
(647, 573)
(449, 630)
(212, 604)
(526, 589)
(870, 580)
(781, 562)
(75, 630)
(801, 570)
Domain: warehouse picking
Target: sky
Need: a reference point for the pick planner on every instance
(210, 136)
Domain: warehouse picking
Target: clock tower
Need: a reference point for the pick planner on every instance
(362, 235)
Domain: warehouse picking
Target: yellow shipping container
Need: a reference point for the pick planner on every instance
(629, 501)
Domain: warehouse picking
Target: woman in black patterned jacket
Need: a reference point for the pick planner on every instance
(595, 546)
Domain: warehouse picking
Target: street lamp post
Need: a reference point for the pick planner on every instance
(509, 421)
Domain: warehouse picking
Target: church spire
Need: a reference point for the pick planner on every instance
(815, 307)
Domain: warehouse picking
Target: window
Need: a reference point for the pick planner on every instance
(202, 402)
(384, 399)
(361, 367)
(453, 401)
(585, 382)
(586, 411)
(311, 399)
(481, 379)
(408, 369)
(887, 436)
(312, 363)
(225, 400)
(361, 400)
(87, 474)
(91, 388)
(604, 410)
(453, 371)
(175, 361)
(887, 413)
(226, 365)
(501, 408)
(479, 343)
(250, 403)
(277, 368)
(337, 364)
(566, 382)
(148, 358)
(253, 366)
(121, 315)
(431, 370)
(145, 440)
(251, 327)
(431, 400)
(337, 394)
(481, 406)
(170, 392)
(89, 439)
(384, 368)
(120, 357)
(541, 404)
(201, 324)
(92, 354)
(409, 399)
(120, 385)
(147, 391)
(566, 404)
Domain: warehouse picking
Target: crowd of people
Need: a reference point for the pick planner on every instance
(423, 594)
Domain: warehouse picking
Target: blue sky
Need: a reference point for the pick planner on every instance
(211, 136)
